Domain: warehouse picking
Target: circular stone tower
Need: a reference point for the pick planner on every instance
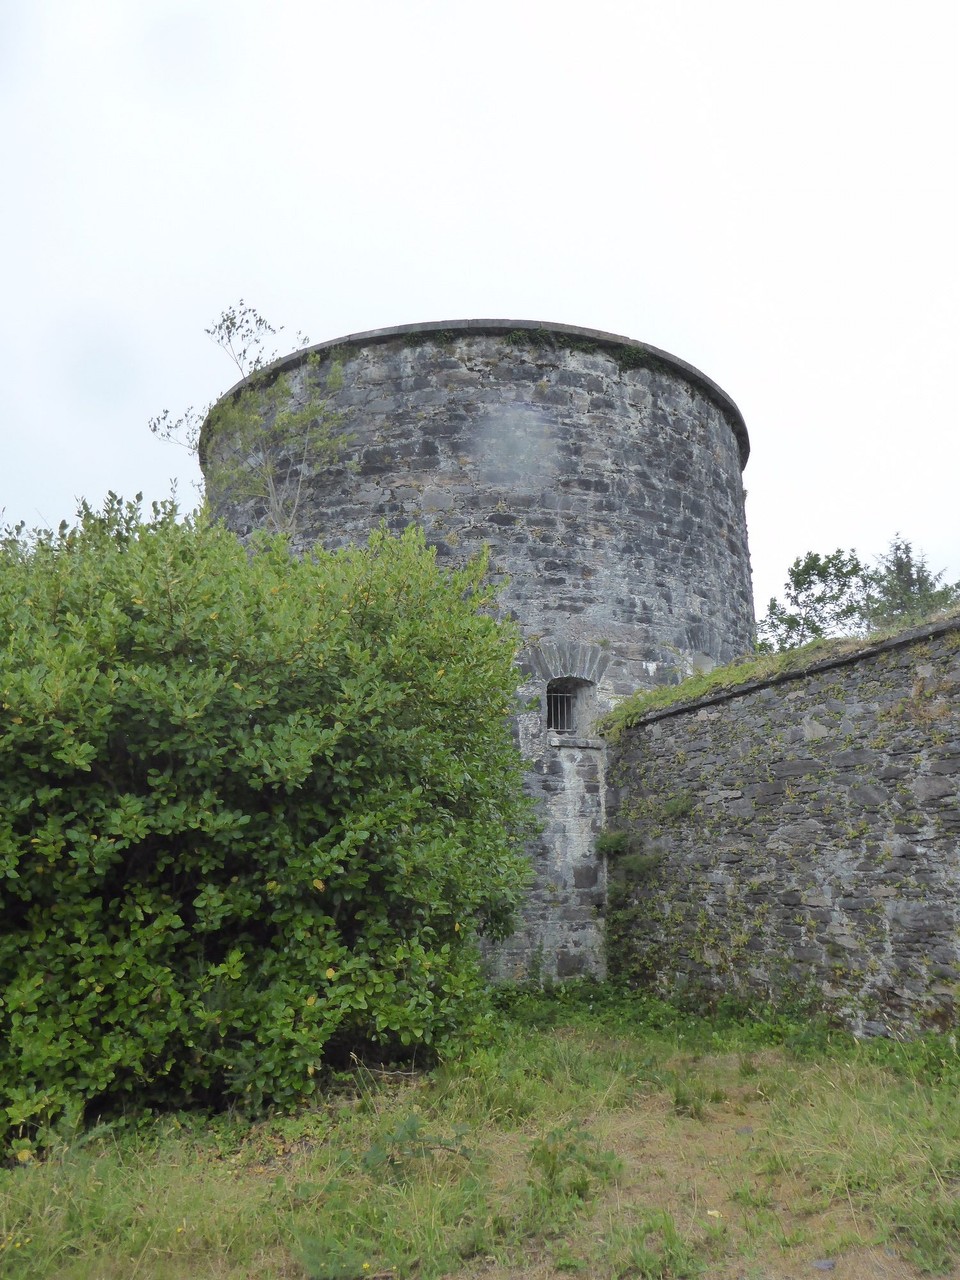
(605, 477)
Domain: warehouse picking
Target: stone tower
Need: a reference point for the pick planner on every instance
(605, 477)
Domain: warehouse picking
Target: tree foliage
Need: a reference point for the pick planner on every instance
(839, 594)
(901, 588)
(270, 436)
(241, 333)
(820, 598)
(254, 811)
(269, 433)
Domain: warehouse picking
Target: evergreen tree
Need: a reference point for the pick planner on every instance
(902, 589)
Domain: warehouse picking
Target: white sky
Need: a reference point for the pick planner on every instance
(767, 190)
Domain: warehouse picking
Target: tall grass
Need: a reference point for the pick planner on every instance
(892, 1146)
(600, 1135)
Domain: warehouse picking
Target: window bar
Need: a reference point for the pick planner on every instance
(560, 712)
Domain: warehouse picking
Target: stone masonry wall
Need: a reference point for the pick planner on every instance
(603, 475)
(604, 478)
(800, 835)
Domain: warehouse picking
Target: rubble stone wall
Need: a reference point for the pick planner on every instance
(801, 835)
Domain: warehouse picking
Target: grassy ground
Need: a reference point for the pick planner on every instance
(598, 1136)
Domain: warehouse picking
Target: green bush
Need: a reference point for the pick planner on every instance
(254, 812)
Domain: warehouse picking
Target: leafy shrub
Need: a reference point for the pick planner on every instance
(254, 811)
(611, 844)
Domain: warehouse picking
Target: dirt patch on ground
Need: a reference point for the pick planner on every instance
(710, 1165)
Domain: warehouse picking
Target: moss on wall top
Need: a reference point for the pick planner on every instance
(755, 670)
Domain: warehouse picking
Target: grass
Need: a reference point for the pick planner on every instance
(601, 1136)
(752, 668)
